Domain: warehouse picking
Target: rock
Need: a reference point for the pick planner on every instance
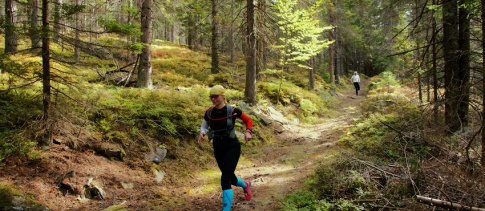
(157, 156)
(159, 175)
(94, 190)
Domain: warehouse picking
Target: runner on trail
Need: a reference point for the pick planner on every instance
(218, 124)
(356, 80)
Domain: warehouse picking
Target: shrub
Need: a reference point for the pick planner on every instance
(15, 138)
(385, 83)
(339, 180)
(305, 104)
(300, 200)
(159, 111)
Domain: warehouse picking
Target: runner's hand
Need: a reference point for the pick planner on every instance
(201, 138)
(247, 136)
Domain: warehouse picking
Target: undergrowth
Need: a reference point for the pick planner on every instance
(382, 156)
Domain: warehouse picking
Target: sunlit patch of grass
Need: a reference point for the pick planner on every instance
(211, 178)
(169, 78)
(243, 161)
(198, 69)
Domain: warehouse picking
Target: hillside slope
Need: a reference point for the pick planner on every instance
(59, 179)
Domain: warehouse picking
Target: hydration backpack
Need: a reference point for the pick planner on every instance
(231, 133)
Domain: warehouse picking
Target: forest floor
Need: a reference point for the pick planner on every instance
(274, 170)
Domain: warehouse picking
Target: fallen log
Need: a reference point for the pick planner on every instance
(445, 204)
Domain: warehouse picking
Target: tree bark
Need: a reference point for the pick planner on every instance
(46, 75)
(338, 57)
(446, 204)
(57, 21)
(464, 64)
(482, 161)
(215, 59)
(261, 42)
(451, 66)
(250, 88)
(34, 25)
(77, 35)
(144, 79)
(10, 34)
(311, 75)
(232, 49)
(331, 48)
(434, 67)
(331, 59)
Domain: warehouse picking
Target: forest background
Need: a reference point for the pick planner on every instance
(120, 78)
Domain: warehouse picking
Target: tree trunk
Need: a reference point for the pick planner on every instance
(191, 33)
(46, 75)
(57, 22)
(311, 75)
(76, 32)
(144, 79)
(10, 34)
(464, 64)
(34, 25)
(232, 50)
(261, 41)
(331, 59)
(215, 59)
(434, 67)
(331, 48)
(482, 161)
(338, 57)
(417, 65)
(451, 67)
(250, 88)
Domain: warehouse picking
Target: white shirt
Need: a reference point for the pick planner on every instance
(355, 78)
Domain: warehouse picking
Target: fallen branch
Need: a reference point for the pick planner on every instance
(377, 168)
(447, 204)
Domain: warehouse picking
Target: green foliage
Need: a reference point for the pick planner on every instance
(308, 107)
(159, 111)
(113, 26)
(300, 200)
(385, 83)
(305, 103)
(10, 199)
(25, 68)
(301, 33)
(192, 67)
(136, 47)
(340, 180)
(67, 10)
(13, 140)
(7, 194)
(372, 136)
(13, 143)
(391, 122)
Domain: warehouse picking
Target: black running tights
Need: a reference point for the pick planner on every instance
(227, 152)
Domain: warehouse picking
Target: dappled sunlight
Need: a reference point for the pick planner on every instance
(206, 181)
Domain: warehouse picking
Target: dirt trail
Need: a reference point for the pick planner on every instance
(283, 167)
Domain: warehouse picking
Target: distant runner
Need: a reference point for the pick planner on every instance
(356, 80)
(218, 124)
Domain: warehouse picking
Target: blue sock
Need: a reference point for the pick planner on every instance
(227, 196)
(240, 183)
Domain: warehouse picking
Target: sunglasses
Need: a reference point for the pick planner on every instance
(213, 96)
